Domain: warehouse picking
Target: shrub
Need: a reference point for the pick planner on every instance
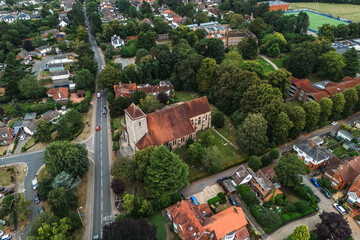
(176, 197)
(279, 199)
(243, 189)
(266, 159)
(218, 120)
(274, 153)
(165, 200)
(254, 163)
(189, 142)
(74, 221)
(255, 211)
(213, 200)
(301, 206)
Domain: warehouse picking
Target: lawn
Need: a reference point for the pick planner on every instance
(266, 66)
(158, 220)
(291, 197)
(278, 61)
(228, 130)
(29, 143)
(348, 11)
(340, 152)
(43, 174)
(186, 96)
(45, 81)
(317, 20)
(5, 177)
(45, 73)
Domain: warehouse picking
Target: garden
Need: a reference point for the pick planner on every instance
(218, 203)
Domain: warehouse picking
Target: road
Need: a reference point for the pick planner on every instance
(102, 195)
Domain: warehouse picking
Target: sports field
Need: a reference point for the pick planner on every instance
(317, 20)
(348, 11)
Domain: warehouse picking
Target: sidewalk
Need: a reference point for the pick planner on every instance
(269, 61)
(225, 138)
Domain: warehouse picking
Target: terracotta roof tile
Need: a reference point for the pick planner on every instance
(134, 112)
(355, 187)
(319, 95)
(59, 93)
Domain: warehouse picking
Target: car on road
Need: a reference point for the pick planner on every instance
(2, 189)
(326, 193)
(317, 198)
(313, 181)
(233, 201)
(97, 128)
(334, 123)
(339, 208)
(40, 209)
(36, 199)
(22, 137)
(194, 200)
(99, 94)
(34, 183)
(104, 110)
(6, 237)
(102, 67)
(9, 191)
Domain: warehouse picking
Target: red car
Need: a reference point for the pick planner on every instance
(97, 128)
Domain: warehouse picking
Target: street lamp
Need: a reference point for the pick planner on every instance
(80, 216)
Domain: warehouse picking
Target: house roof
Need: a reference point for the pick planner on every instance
(172, 123)
(134, 112)
(30, 116)
(349, 170)
(24, 54)
(350, 145)
(156, 88)
(54, 65)
(32, 126)
(346, 134)
(313, 151)
(61, 82)
(242, 33)
(333, 163)
(241, 174)
(5, 133)
(355, 187)
(49, 115)
(43, 47)
(59, 93)
(264, 182)
(58, 57)
(59, 73)
(124, 89)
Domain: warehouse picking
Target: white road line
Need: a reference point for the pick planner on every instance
(101, 184)
(101, 172)
(101, 154)
(101, 164)
(101, 218)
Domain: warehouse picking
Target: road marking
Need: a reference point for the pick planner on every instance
(101, 172)
(101, 154)
(101, 184)
(101, 164)
(102, 206)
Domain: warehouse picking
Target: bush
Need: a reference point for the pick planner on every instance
(165, 200)
(218, 120)
(250, 198)
(274, 153)
(176, 197)
(301, 206)
(214, 200)
(189, 142)
(266, 159)
(254, 163)
(74, 221)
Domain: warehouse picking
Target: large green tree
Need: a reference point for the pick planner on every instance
(342, 31)
(43, 133)
(166, 173)
(281, 128)
(146, 40)
(211, 48)
(288, 170)
(150, 104)
(248, 48)
(331, 65)
(326, 110)
(251, 135)
(312, 113)
(66, 156)
(280, 79)
(109, 77)
(142, 160)
(61, 200)
(327, 31)
(351, 98)
(30, 87)
(233, 58)
(205, 76)
(300, 233)
(84, 80)
(301, 61)
(338, 105)
(351, 58)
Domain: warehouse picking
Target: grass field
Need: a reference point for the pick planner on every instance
(348, 11)
(317, 20)
(5, 177)
(266, 66)
(158, 220)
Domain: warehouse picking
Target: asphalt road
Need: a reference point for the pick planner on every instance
(102, 196)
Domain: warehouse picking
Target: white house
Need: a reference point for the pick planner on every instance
(44, 50)
(311, 154)
(23, 16)
(63, 23)
(243, 175)
(345, 135)
(63, 74)
(31, 128)
(116, 41)
(62, 59)
(9, 19)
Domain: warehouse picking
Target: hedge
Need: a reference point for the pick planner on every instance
(214, 200)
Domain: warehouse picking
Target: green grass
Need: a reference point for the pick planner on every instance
(317, 20)
(116, 123)
(5, 177)
(228, 130)
(278, 61)
(292, 198)
(45, 81)
(348, 11)
(340, 152)
(186, 96)
(29, 143)
(45, 73)
(266, 66)
(355, 133)
(158, 220)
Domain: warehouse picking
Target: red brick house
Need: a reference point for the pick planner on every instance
(59, 94)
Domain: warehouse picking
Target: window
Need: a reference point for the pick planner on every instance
(205, 117)
(199, 121)
(140, 124)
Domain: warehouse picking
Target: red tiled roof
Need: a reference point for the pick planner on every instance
(355, 187)
(172, 123)
(156, 89)
(131, 38)
(124, 89)
(134, 112)
(58, 93)
(319, 95)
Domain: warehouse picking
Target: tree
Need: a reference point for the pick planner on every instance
(269, 218)
(211, 48)
(206, 74)
(124, 169)
(354, 29)
(118, 106)
(206, 138)
(202, 17)
(21, 207)
(300, 62)
(166, 172)
(218, 120)
(281, 128)
(253, 66)
(327, 31)
(142, 161)
(27, 45)
(257, 26)
(146, 40)
(351, 98)
(195, 153)
(273, 50)
(64, 179)
(62, 45)
(326, 110)
(351, 58)
(54, 231)
(109, 77)
(128, 228)
(211, 160)
(44, 187)
(233, 58)
(163, 97)
(338, 105)
(30, 87)
(254, 163)
(280, 79)
(43, 133)
(300, 233)
(61, 200)
(150, 104)
(331, 65)
(312, 113)
(46, 217)
(333, 226)
(118, 186)
(68, 157)
(251, 135)
(288, 170)
(85, 80)
(248, 48)
(342, 31)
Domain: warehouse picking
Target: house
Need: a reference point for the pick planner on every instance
(163, 37)
(263, 186)
(25, 56)
(351, 146)
(357, 124)
(54, 67)
(62, 59)
(8, 19)
(276, 5)
(55, 33)
(63, 82)
(117, 42)
(30, 116)
(58, 94)
(229, 186)
(6, 136)
(63, 22)
(304, 91)
(232, 38)
(146, 20)
(23, 16)
(16, 128)
(344, 174)
(213, 28)
(125, 90)
(63, 74)
(189, 223)
(50, 116)
(345, 135)
(353, 194)
(311, 154)
(317, 140)
(171, 126)
(31, 128)
(243, 175)
(44, 50)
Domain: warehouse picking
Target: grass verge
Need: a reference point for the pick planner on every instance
(266, 66)
(5, 177)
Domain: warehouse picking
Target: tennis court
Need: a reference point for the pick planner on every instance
(317, 20)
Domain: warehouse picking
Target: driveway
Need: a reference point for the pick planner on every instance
(207, 193)
(21, 143)
(124, 61)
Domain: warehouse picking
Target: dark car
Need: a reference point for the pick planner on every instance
(2, 189)
(317, 198)
(36, 199)
(41, 209)
(233, 201)
(326, 193)
(9, 191)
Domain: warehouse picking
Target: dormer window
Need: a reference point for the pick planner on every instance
(4, 134)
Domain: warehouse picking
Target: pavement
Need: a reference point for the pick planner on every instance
(269, 61)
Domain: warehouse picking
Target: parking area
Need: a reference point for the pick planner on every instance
(124, 61)
(208, 192)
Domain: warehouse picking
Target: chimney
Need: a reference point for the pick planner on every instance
(235, 210)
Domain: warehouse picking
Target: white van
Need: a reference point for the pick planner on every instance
(34, 183)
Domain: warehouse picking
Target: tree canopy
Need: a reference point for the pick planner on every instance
(288, 170)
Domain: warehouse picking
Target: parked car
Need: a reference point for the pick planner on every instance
(233, 201)
(2, 189)
(1, 195)
(317, 198)
(194, 200)
(339, 208)
(9, 191)
(97, 128)
(41, 209)
(6, 237)
(99, 94)
(220, 179)
(22, 137)
(326, 193)
(334, 123)
(313, 181)
(34, 183)
(96, 237)
(36, 199)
